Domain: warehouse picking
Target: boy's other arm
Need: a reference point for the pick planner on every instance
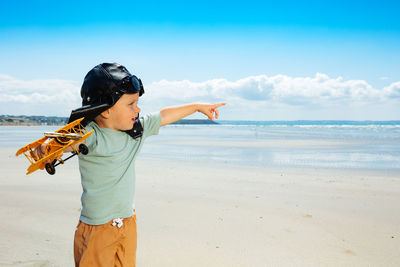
(173, 114)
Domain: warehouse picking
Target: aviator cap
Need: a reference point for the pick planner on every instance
(107, 82)
(102, 87)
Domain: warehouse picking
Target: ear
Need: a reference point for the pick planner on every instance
(105, 114)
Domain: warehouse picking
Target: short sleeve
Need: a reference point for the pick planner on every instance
(90, 142)
(151, 124)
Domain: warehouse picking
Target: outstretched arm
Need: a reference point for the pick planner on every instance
(173, 114)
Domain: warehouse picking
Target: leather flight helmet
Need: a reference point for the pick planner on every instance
(102, 87)
(107, 82)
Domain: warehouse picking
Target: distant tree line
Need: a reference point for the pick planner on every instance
(24, 119)
(53, 120)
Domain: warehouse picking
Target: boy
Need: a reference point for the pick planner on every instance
(106, 232)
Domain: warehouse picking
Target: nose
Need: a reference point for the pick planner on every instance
(137, 109)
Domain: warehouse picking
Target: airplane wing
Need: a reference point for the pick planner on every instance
(41, 163)
(70, 125)
(31, 145)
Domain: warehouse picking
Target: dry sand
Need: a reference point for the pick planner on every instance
(213, 215)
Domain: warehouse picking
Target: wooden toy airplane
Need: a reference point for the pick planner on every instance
(67, 136)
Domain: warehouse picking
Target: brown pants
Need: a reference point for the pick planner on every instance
(106, 245)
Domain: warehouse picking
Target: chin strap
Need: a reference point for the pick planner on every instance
(137, 129)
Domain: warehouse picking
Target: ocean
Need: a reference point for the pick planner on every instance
(316, 144)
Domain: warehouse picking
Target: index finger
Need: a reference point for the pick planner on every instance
(219, 104)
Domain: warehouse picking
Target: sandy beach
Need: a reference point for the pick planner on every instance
(210, 214)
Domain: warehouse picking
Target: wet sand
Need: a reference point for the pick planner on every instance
(192, 214)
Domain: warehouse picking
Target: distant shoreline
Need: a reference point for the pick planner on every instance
(23, 120)
(10, 120)
(29, 124)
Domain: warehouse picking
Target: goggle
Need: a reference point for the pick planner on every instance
(132, 85)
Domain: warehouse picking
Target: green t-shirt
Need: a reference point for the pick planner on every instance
(108, 171)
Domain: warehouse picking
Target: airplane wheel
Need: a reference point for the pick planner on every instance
(83, 149)
(50, 168)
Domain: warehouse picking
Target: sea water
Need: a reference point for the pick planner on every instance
(320, 144)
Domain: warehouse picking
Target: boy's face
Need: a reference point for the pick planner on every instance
(123, 113)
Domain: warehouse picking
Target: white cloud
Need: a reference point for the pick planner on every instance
(250, 95)
(392, 91)
(52, 96)
(279, 89)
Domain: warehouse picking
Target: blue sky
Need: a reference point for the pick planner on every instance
(269, 60)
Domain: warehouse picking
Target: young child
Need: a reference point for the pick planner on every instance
(106, 232)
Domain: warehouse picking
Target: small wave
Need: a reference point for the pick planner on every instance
(370, 126)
